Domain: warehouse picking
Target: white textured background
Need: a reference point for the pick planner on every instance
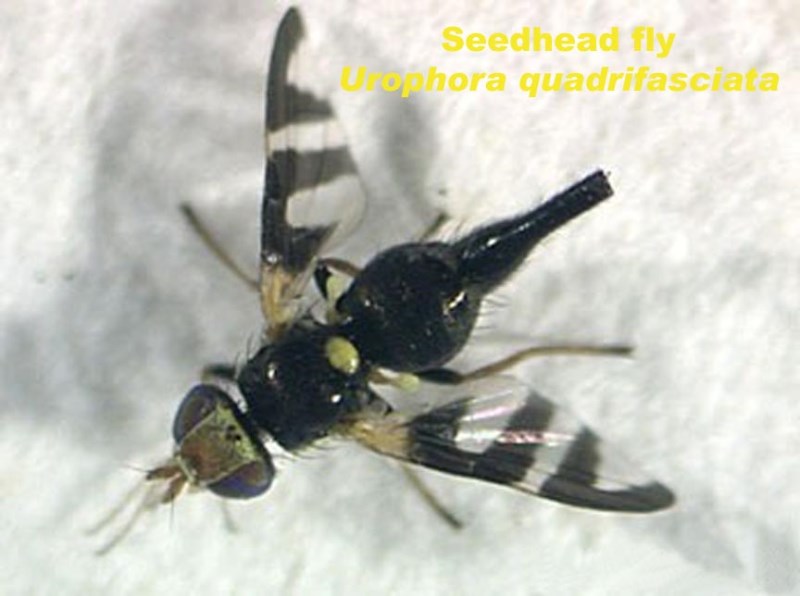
(113, 114)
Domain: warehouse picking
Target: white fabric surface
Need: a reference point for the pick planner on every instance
(115, 112)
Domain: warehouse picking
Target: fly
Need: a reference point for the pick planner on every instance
(400, 320)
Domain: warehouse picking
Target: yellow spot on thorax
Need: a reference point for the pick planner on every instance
(342, 355)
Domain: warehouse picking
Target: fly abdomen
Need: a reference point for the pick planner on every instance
(413, 307)
(408, 309)
(489, 255)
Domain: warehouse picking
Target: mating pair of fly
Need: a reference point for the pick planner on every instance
(402, 318)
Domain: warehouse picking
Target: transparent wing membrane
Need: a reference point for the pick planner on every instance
(499, 430)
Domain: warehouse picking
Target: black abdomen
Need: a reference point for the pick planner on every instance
(409, 309)
(413, 307)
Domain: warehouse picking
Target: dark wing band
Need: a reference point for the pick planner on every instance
(311, 186)
(501, 431)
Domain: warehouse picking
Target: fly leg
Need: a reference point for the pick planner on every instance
(427, 495)
(325, 266)
(332, 286)
(215, 247)
(328, 284)
(434, 227)
(447, 376)
(218, 371)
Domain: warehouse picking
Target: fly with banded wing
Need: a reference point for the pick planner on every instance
(400, 320)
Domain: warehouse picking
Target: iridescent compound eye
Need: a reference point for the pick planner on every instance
(217, 446)
(198, 404)
(248, 481)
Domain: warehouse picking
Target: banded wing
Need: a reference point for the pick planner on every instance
(312, 192)
(501, 431)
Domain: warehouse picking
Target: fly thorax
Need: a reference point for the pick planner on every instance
(299, 387)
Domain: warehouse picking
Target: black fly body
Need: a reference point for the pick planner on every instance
(401, 319)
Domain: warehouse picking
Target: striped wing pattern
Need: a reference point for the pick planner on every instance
(501, 431)
(312, 192)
